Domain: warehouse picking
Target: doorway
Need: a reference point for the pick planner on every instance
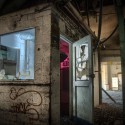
(64, 77)
(111, 82)
(76, 91)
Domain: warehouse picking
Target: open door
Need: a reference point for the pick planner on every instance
(83, 79)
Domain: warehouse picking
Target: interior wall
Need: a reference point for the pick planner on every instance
(28, 101)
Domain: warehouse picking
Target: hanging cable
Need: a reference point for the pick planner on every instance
(77, 5)
(99, 25)
(110, 35)
(87, 12)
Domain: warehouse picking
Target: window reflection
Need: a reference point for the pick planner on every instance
(82, 62)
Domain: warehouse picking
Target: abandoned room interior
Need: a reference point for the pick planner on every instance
(62, 62)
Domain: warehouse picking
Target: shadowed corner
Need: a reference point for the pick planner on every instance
(79, 121)
(63, 56)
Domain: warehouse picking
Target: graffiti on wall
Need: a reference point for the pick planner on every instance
(23, 102)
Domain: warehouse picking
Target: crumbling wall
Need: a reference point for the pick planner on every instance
(24, 105)
(55, 70)
(28, 102)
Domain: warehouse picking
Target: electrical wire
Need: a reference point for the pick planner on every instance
(110, 35)
(102, 42)
(87, 12)
(77, 5)
(99, 25)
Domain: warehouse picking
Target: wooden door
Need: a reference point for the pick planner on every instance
(83, 79)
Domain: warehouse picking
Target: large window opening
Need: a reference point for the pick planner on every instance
(111, 81)
(17, 55)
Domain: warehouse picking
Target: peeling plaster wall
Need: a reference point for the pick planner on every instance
(21, 105)
(28, 102)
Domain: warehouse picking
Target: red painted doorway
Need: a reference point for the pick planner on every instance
(64, 78)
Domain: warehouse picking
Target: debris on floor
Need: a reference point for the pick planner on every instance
(106, 114)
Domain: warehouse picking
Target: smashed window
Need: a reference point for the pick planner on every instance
(17, 55)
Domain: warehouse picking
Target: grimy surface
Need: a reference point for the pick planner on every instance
(109, 113)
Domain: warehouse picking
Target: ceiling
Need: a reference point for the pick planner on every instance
(7, 6)
(88, 9)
